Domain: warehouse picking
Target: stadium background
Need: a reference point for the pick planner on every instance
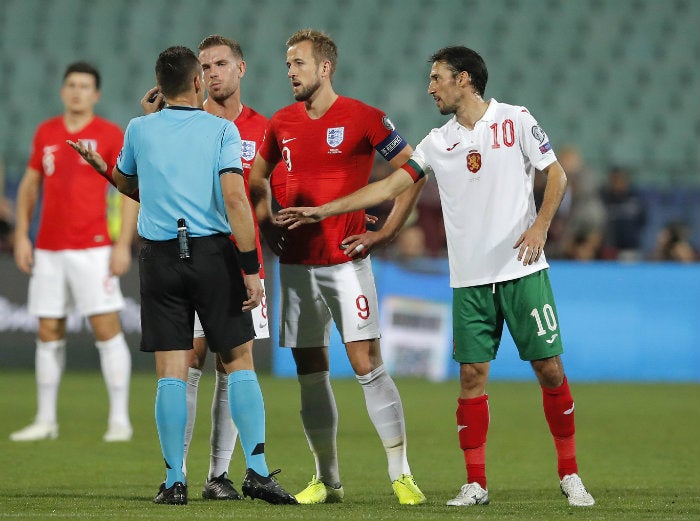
(617, 78)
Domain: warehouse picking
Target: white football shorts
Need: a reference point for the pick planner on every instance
(262, 329)
(313, 297)
(65, 280)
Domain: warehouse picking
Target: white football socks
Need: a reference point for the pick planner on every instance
(193, 376)
(386, 412)
(50, 360)
(223, 431)
(319, 417)
(115, 361)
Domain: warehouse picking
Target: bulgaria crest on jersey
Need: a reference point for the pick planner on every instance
(247, 149)
(335, 136)
(473, 161)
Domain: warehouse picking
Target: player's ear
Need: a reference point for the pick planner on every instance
(463, 78)
(242, 68)
(326, 68)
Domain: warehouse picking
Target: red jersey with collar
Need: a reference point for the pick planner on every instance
(325, 158)
(74, 204)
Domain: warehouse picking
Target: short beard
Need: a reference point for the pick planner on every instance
(307, 92)
(446, 110)
(222, 95)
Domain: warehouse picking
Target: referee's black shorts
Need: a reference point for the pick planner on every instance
(209, 282)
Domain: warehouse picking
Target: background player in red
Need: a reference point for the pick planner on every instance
(327, 143)
(74, 262)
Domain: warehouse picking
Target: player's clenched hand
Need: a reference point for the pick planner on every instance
(152, 101)
(531, 244)
(90, 155)
(295, 216)
(24, 254)
(255, 291)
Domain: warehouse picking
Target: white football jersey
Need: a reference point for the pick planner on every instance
(485, 177)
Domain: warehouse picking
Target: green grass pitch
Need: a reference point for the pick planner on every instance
(638, 449)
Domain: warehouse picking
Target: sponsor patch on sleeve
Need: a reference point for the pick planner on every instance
(546, 147)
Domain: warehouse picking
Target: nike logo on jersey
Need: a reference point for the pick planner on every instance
(287, 140)
(364, 325)
(554, 337)
(449, 149)
(569, 411)
(460, 427)
(262, 324)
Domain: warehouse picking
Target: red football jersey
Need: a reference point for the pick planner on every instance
(325, 158)
(74, 203)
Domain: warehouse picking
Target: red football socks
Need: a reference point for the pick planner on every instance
(559, 412)
(472, 425)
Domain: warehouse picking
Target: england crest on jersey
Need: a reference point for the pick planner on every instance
(334, 136)
(247, 149)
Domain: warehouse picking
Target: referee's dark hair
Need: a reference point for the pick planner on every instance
(175, 68)
(459, 58)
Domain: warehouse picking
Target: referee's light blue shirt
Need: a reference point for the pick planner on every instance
(178, 155)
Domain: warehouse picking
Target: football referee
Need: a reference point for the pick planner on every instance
(186, 166)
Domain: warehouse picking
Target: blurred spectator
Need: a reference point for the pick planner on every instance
(581, 211)
(626, 215)
(672, 244)
(410, 244)
(7, 213)
(6, 225)
(409, 250)
(430, 220)
(587, 244)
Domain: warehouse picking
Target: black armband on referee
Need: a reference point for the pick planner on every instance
(249, 261)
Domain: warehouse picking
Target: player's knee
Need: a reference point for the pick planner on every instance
(198, 354)
(310, 360)
(50, 331)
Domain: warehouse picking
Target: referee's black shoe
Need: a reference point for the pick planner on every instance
(266, 488)
(220, 488)
(175, 495)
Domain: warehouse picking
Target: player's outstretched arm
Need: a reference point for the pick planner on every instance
(366, 197)
(92, 156)
(100, 166)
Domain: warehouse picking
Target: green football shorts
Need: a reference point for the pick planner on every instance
(526, 305)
